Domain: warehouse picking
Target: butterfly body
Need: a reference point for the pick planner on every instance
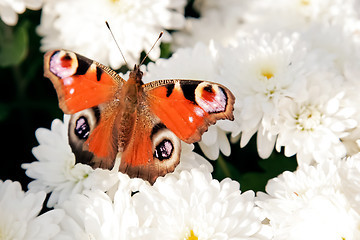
(143, 122)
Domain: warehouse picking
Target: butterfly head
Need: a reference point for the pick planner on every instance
(136, 75)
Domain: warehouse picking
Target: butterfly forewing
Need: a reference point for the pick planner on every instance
(188, 107)
(80, 83)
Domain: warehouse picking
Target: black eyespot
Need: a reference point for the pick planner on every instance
(66, 57)
(164, 150)
(82, 128)
(208, 88)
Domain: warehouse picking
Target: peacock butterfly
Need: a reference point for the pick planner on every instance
(143, 122)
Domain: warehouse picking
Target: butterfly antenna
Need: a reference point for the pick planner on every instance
(160, 35)
(108, 26)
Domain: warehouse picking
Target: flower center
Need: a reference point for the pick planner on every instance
(305, 2)
(308, 119)
(266, 77)
(267, 73)
(121, 6)
(192, 236)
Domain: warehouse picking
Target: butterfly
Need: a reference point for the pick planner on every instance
(143, 122)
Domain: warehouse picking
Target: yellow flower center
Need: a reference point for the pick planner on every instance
(192, 236)
(309, 118)
(266, 73)
(305, 2)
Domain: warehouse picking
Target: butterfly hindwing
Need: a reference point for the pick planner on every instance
(152, 150)
(80, 83)
(91, 137)
(188, 107)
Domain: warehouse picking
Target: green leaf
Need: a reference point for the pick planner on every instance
(276, 164)
(165, 50)
(224, 169)
(14, 44)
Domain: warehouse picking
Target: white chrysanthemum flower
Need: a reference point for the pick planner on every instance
(349, 170)
(332, 40)
(96, 215)
(214, 15)
(297, 15)
(198, 63)
(335, 64)
(260, 72)
(194, 206)
(309, 204)
(203, 29)
(56, 171)
(135, 24)
(312, 129)
(351, 141)
(9, 9)
(19, 217)
(347, 60)
(229, 9)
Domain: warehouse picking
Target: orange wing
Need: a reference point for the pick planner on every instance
(188, 107)
(91, 137)
(80, 83)
(152, 151)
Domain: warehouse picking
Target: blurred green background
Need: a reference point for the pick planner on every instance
(27, 101)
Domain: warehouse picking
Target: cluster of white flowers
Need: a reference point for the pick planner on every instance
(19, 211)
(315, 202)
(135, 24)
(190, 205)
(293, 66)
(103, 204)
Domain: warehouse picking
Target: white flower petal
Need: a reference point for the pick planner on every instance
(56, 170)
(10, 9)
(135, 25)
(194, 204)
(309, 204)
(19, 214)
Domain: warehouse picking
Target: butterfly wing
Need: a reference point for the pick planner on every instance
(80, 82)
(92, 136)
(152, 150)
(148, 149)
(188, 107)
(86, 89)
